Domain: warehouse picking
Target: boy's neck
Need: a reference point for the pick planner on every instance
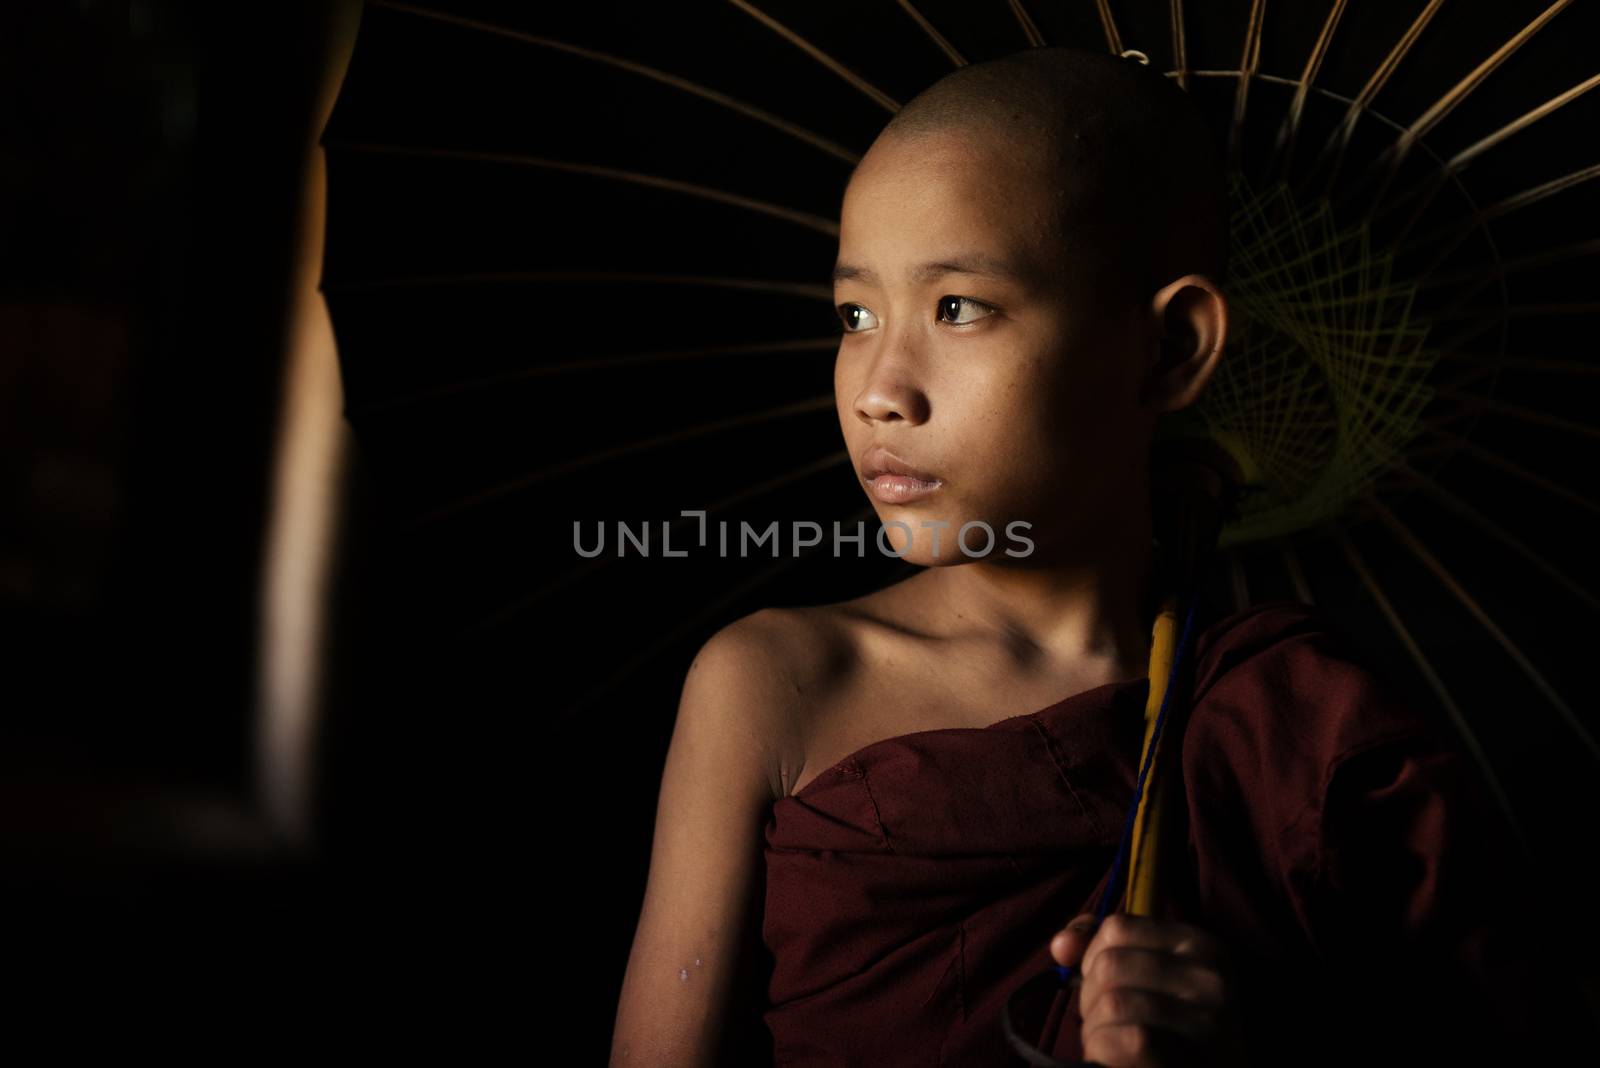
(1091, 611)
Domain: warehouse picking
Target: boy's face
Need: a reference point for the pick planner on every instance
(977, 352)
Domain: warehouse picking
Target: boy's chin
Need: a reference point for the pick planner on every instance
(926, 558)
(905, 536)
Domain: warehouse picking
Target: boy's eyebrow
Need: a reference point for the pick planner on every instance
(979, 263)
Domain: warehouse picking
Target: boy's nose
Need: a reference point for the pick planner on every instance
(889, 403)
(890, 381)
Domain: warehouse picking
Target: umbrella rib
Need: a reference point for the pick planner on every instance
(1527, 364)
(1455, 163)
(1539, 259)
(1180, 42)
(1414, 452)
(1518, 310)
(1468, 736)
(1466, 378)
(1517, 471)
(811, 404)
(1457, 308)
(1249, 61)
(938, 38)
(1035, 38)
(1435, 422)
(1481, 216)
(1410, 541)
(1555, 103)
(656, 181)
(633, 359)
(1489, 526)
(1289, 131)
(1455, 343)
(761, 285)
(1448, 177)
(1395, 154)
(589, 567)
(876, 95)
(694, 620)
(1528, 414)
(702, 91)
(1108, 23)
(1339, 141)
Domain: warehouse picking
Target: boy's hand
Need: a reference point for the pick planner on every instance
(1156, 993)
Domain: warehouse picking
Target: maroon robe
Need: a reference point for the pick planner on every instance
(1342, 848)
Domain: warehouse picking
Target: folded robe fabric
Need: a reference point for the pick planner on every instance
(1342, 848)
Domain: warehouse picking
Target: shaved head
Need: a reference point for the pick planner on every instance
(1133, 181)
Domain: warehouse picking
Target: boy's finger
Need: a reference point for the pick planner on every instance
(1069, 943)
(1145, 932)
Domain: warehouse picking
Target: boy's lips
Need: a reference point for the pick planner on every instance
(894, 481)
(878, 460)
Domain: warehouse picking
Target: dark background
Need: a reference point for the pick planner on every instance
(152, 182)
(485, 797)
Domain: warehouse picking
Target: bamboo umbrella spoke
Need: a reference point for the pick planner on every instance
(1523, 412)
(1522, 263)
(1429, 186)
(1464, 731)
(1029, 29)
(871, 92)
(691, 622)
(934, 35)
(1108, 23)
(1505, 537)
(665, 78)
(1530, 364)
(1389, 163)
(1459, 231)
(571, 576)
(617, 452)
(1532, 478)
(828, 227)
(1289, 130)
(1180, 43)
(1248, 64)
(1467, 601)
(590, 365)
(759, 285)
(1338, 142)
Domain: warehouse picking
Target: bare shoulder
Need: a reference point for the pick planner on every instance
(694, 977)
(762, 675)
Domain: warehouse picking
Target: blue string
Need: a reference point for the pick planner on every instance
(1064, 971)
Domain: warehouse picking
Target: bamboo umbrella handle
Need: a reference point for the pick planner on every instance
(1142, 895)
(1197, 486)
(1194, 492)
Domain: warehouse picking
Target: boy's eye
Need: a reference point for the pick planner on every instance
(953, 305)
(856, 318)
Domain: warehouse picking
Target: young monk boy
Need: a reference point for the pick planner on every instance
(905, 798)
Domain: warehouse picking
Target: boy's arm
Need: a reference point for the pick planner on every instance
(693, 986)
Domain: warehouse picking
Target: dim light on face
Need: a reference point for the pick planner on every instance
(975, 369)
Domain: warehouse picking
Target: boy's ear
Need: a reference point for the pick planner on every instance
(1191, 316)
